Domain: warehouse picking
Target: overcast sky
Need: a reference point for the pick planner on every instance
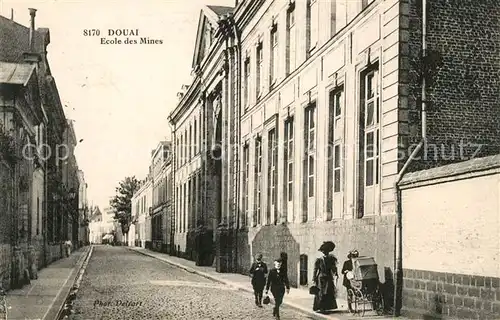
(119, 95)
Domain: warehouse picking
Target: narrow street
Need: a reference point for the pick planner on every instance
(122, 284)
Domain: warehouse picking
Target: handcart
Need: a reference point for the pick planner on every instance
(364, 292)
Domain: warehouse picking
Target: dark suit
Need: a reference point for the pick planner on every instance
(258, 272)
(278, 282)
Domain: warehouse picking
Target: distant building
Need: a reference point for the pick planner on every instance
(95, 225)
(31, 115)
(141, 206)
(162, 207)
(83, 209)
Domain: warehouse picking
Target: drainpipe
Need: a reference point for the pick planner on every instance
(238, 108)
(398, 285)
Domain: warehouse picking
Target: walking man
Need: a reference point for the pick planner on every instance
(258, 272)
(278, 282)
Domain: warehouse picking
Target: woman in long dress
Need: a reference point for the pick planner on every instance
(325, 271)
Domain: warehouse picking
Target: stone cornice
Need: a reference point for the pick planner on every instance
(452, 172)
(245, 13)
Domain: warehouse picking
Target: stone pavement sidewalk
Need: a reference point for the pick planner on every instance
(45, 297)
(298, 299)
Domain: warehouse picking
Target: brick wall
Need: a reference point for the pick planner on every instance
(453, 295)
(450, 230)
(463, 93)
(53, 253)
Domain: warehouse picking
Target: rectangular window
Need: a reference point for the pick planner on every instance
(310, 144)
(291, 41)
(289, 159)
(272, 176)
(246, 88)
(186, 196)
(273, 67)
(372, 128)
(180, 151)
(335, 140)
(190, 144)
(186, 142)
(333, 19)
(312, 24)
(178, 210)
(246, 172)
(260, 69)
(258, 181)
(177, 158)
(195, 139)
(369, 149)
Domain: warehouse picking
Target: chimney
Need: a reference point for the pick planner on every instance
(12, 14)
(32, 29)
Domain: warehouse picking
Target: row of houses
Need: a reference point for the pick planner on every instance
(374, 124)
(43, 193)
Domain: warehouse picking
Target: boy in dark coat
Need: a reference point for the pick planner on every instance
(258, 272)
(278, 282)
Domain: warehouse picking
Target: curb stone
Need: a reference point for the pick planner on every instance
(240, 288)
(67, 307)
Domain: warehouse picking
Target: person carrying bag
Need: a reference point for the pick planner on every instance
(278, 282)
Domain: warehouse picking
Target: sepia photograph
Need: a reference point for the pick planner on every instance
(249, 159)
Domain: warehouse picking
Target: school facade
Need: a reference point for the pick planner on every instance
(305, 116)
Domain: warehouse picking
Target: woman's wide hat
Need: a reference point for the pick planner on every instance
(327, 246)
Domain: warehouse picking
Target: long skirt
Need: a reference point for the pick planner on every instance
(325, 299)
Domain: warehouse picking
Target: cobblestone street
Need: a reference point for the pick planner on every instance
(122, 284)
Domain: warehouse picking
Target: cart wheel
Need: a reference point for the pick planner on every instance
(378, 303)
(361, 301)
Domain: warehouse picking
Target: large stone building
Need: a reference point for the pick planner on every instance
(95, 222)
(141, 205)
(70, 185)
(199, 185)
(83, 210)
(311, 114)
(161, 211)
(32, 125)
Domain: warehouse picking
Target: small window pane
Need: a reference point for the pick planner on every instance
(311, 165)
(312, 117)
(369, 172)
(377, 172)
(290, 191)
(311, 186)
(311, 140)
(290, 172)
(369, 86)
(338, 124)
(369, 114)
(369, 145)
(338, 104)
(290, 150)
(337, 156)
(337, 181)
